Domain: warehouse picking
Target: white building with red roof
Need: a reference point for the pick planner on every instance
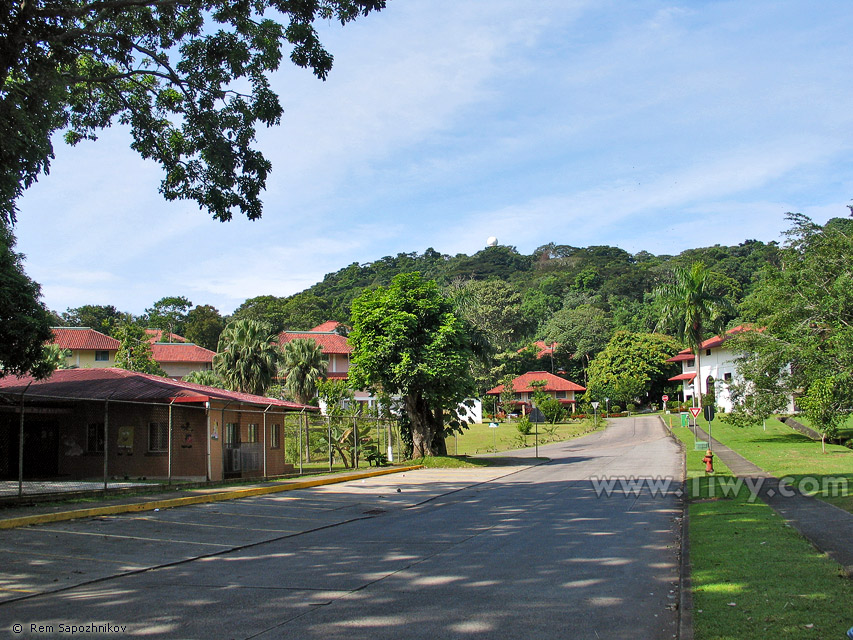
(335, 346)
(176, 356)
(563, 390)
(86, 348)
(718, 371)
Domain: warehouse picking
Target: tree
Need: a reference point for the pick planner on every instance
(203, 326)
(169, 314)
(822, 405)
(189, 78)
(24, 320)
(296, 313)
(580, 333)
(407, 340)
(690, 306)
(805, 306)
(103, 318)
(303, 366)
(135, 352)
(205, 377)
(632, 365)
(247, 357)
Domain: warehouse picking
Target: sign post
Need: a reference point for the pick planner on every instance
(537, 416)
(594, 413)
(494, 425)
(709, 416)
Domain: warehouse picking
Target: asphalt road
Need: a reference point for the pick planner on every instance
(508, 552)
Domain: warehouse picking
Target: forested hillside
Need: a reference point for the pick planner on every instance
(549, 279)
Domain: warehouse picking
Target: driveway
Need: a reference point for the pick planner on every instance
(509, 552)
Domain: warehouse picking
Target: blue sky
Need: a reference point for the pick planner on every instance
(645, 125)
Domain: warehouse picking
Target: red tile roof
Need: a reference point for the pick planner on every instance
(544, 348)
(121, 385)
(712, 343)
(522, 383)
(326, 327)
(683, 376)
(156, 335)
(78, 338)
(330, 341)
(182, 352)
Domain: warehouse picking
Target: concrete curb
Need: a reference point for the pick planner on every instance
(236, 494)
(685, 590)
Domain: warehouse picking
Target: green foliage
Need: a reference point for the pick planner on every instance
(207, 377)
(190, 79)
(407, 340)
(524, 426)
(203, 326)
(168, 314)
(337, 395)
(135, 353)
(631, 366)
(247, 357)
(822, 405)
(300, 312)
(103, 318)
(24, 320)
(581, 332)
(805, 305)
(616, 409)
(551, 408)
(303, 366)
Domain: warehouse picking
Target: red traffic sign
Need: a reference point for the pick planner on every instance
(665, 398)
(695, 411)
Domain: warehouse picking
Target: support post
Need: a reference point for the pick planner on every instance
(106, 442)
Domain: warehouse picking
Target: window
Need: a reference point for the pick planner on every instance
(232, 433)
(95, 438)
(727, 377)
(275, 436)
(253, 433)
(102, 356)
(691, 363)
(707, 352)
(158, 436)
(561, 394)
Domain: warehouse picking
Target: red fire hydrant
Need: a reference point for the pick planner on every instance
(709, 461)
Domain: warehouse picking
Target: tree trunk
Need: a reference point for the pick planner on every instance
(423, 429)
(697, 381)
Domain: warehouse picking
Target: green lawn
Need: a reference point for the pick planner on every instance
(845, 431)
(479, 438)
(784, 452)
(753, 576)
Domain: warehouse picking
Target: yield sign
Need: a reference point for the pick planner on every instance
(695, 411)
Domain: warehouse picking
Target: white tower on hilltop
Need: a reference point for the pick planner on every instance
(492, 241)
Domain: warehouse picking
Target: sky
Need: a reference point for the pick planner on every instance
(647, 125)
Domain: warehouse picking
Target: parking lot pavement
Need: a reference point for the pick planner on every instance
(56, 556)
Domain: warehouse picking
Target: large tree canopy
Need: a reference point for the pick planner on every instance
(805, 307)
(407, 340)
(190, 78)
(24, 321)
(631, 366)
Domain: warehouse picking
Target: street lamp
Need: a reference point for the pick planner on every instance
(607, 404)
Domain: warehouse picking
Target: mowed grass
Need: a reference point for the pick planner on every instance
(479, 438)
(754, 576)
(783, 452)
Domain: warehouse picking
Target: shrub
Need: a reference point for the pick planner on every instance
(616, 408)
(631, 407)
(524, 426)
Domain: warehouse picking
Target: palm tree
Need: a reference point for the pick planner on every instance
(247, 356)
(303, 365)
(689, 306)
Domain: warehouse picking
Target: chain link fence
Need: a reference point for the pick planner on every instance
(70, 445)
